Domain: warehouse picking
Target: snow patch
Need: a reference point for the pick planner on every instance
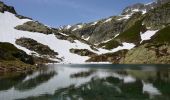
(107, 20)
(124, 17)
(127, 46)
(8, 34)
(116, 35)
(68, 27)
(86, 38)
(77, 27)
(94, 23)
(147, 35)
(63, 34)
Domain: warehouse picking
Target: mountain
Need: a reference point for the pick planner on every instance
(139, 35)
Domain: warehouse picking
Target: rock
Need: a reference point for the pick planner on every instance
(82, 52)
(109, 57)
(70, 39)
(22, 17)
(15, 60)
(158, 18)
(4, 8)
(148, 54)
(10, 52)
(32, 26)
(37, 47)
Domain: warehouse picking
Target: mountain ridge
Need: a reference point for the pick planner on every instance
(117, 39)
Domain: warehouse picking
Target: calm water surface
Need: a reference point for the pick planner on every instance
(89, 82)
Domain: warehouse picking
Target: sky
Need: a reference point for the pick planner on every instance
(56, 13)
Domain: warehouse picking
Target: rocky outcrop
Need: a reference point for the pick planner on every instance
(100, 31)
(14, 60)
(37, 47)
(143, 7)
(32, 26)
(83, 52)
(16, 66)
(22, 17)
(158, 18)
(4, 8)
(114, 58)
(10, 52)
(107, 30)
(154, 51)
(148, 54)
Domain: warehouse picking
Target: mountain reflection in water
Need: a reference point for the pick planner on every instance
(89, 82)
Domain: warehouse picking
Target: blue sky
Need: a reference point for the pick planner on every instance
(64, 12)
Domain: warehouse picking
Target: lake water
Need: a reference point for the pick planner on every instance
(89, 82)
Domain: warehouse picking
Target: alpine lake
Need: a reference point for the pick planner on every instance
(88, 82)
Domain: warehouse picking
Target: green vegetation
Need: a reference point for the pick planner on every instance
(148, 54)
(14, 60)
(162, 36)
(15, 66)
(10, 52)
(131, 35)
(159, 17)
(110, 44)
(109, 57)
(163, 86)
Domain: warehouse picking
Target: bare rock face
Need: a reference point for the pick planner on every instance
(135, 7)
(32, 26)
(148, 54)
(4, 8)
(102, 30)
(158, 18)
(37, 47)
(144, 7)
(160, 2)
(83, 52)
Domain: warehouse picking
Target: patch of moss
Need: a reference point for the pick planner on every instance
(148, 54)
(110, 44)
(109, 57)
(10, 52)
(131, 35)
(15, 66)
(162, 36)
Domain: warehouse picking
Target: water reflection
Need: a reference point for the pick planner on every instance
(90, 82)
(34, 82)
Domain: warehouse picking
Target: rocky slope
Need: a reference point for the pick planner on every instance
(144, 28)
(14, 60)
(105, 29)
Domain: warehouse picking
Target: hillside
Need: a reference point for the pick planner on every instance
(141, 30)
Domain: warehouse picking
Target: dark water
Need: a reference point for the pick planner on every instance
(89, 82)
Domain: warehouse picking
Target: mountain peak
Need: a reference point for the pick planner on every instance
(143, 7)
